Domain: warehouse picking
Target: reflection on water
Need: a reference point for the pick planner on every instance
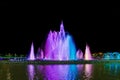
(8, 75)
(113, 69)
(60, 72)
(53, 72)
(13, 72)
(30, 69)
(6, 71)
(88, 71)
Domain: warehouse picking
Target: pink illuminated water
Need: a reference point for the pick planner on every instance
(88, 55)
(31, 55)
(88, 71)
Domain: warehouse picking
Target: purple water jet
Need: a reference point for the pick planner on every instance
(88, 55)
(79, 54)
(40, 54)
(59, 46)
(31, 55)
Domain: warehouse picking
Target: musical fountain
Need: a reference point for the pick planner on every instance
(60, 46)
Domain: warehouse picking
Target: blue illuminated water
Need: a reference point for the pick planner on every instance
(111, 55)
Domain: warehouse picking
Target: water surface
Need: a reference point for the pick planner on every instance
(60, 72)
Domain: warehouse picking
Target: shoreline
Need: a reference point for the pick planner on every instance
(47, 62)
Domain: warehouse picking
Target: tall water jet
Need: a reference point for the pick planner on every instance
(88, 55)
(31, 55)
(59, 46)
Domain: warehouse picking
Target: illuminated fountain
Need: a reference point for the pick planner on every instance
(59, 46)
(79, 54)
(31, 55)
(40, 54)
(111, 55)
(88, 55)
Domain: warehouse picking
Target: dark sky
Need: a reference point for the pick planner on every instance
(98, 27)
(115, 11)
(4, 3)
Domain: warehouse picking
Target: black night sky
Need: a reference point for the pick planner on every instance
(3, 3)
(98, 27)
